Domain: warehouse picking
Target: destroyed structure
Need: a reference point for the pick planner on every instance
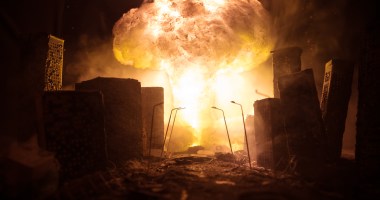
(100, 136)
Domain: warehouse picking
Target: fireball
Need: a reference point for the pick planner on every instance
(202, 45)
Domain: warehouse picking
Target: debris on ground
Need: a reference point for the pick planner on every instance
(192, 176)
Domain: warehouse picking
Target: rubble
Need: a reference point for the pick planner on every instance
(193, 177)
(28, 171)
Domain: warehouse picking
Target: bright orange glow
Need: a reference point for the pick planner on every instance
(213, 5)
(194, 144)
(237, 146)
(204, 46)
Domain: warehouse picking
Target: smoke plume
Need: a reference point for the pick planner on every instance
(203, 46)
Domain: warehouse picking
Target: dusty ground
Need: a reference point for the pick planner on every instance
(190, 176)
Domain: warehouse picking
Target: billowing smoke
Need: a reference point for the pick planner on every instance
(203, 46)
(154, 37)
(213, 33)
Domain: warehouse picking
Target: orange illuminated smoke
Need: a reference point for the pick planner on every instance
(203, 46)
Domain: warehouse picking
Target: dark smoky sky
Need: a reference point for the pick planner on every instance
(322, 28)
(67, 19)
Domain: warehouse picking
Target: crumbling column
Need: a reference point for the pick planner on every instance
(271, 143)
(74, 131)
(152, 96)
(303, 119)
(43, 57)
(336, 94)
(123, 116)
(285, 61)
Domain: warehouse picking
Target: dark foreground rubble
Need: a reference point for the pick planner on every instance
(190, 176)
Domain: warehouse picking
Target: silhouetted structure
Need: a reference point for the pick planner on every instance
(285, 61)
(271, 143)
(123, 116)
(336, 94)
(54, 64)
(74, 131)
(303, 120)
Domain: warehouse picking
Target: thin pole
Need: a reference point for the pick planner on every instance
(246, 138)
(170, 137)
(151, 127)
(245, 132)
(166, 132)
(262, 94)
(228, 135)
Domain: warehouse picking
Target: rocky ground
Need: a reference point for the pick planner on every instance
(192, 176)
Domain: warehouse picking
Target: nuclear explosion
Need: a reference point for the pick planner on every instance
(200, 45)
